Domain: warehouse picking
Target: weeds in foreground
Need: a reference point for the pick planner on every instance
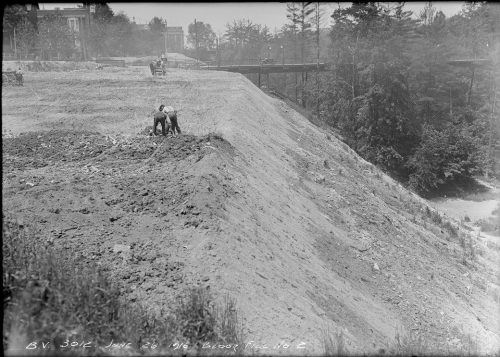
(413, 344)
(469, 252)
(51, 299)
(438, 220)
(410, 344)
(334, 344)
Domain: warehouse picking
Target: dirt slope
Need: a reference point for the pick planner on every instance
(272, 210)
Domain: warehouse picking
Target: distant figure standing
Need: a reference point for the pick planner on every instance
(152, 67)
(172, 115)
(161, 117)
(164, 63)
(19, 76)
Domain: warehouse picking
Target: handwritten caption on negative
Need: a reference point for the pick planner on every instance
(175, 346)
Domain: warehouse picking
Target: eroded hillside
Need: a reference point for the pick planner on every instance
(279, 214)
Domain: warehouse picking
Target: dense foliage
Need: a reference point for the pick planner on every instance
(110, 34)
(396, 91)
(411, 109)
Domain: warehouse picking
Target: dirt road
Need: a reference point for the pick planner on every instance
(306, 235)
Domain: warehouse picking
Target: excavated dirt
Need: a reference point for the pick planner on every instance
(92, 194)
(279, 214)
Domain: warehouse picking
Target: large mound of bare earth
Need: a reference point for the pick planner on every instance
(305, 235)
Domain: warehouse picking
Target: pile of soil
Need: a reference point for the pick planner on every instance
(40, 149)
(119, 199)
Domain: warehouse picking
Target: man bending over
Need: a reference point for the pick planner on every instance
(162, 118)
(172, 115)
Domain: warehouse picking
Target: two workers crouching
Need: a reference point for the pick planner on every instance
(167, 117)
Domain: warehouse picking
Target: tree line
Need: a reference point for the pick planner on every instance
(400, 98)
(415, 95)
(110, 34)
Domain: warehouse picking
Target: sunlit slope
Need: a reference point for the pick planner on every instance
(312, 237)
(317, 238)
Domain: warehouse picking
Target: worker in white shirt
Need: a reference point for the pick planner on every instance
(172, 115)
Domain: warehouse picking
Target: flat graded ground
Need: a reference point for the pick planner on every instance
(251, 201)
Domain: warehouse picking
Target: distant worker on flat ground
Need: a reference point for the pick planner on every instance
(164, 63)
(19, 76)
(161, 117)
(172, 115)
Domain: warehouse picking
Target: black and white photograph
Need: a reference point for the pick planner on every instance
(251, 178)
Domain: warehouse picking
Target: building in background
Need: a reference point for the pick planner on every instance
(175, 39)
(79, 20)
(142, 27)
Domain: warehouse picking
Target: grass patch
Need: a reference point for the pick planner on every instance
(438, 220)
(412, 344)
(470, 251)
(334, 344)
(51, 299)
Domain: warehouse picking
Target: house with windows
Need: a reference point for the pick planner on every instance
(79, 21)
(175, 39)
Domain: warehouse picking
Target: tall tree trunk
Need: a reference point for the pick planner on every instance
(490, 136)
(470, 87)
(295, 60)
(302, 48)
(354, 66)
(317, 60)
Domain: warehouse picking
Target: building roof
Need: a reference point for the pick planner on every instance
(73, 12)
(175, 29)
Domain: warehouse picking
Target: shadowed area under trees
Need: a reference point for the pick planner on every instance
(396, 92)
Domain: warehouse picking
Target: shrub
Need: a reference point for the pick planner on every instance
(334, 344)
(413, 344)
(445, 156)
(410, 344)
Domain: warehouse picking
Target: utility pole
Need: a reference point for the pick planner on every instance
(218, 54)
(196, 40)
(295, 61)
(269, 57)
(317, 60)
(492, 116)
(15, 47)
(283, 60)
(166, 39)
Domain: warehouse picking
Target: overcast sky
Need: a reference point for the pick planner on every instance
(272, 14)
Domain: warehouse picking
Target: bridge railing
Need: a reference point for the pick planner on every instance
(258, 61)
